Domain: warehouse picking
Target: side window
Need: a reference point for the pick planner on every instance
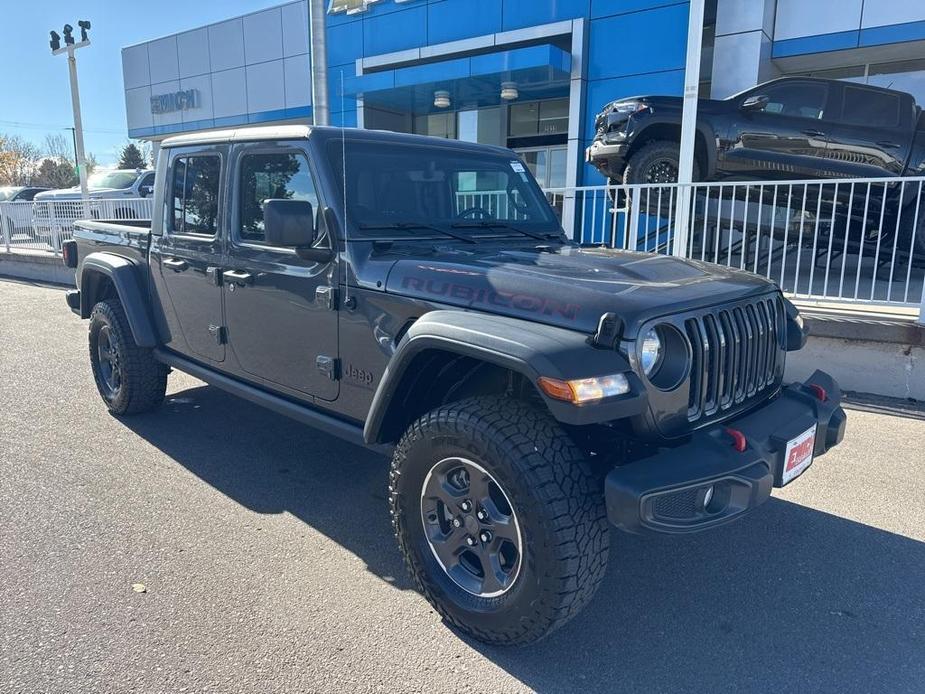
(148, 180)
(273, 176)
(194, 194)
(801, 99)
(871, 108)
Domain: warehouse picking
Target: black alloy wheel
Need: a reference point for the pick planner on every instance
(471, 527)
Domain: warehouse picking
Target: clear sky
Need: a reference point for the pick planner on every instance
(35, 98)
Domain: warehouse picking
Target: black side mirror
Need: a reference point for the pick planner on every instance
(755, 103)
(145, 191)
(288, 223)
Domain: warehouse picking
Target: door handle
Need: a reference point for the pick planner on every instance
(175, 264)
(237, 277)
(887, 144)
(814, 133)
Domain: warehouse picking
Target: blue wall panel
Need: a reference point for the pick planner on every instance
(607, 8)
(895, 33)
(630, 44)
(395, 31)
(345, 43)
(525, 13)
(815, 44)
(451, 20)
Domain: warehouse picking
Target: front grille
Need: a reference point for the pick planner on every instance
(737, 354)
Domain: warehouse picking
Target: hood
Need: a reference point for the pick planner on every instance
(74, 193)
(570, 287)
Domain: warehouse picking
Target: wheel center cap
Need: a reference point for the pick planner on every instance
(472, 525)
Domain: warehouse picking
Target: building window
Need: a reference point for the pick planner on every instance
(529, 119)
(436, 125)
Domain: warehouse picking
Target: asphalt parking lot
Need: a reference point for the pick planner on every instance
(268, 562)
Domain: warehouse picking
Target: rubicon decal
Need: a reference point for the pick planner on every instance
(483, 296)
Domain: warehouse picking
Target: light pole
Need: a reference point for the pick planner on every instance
(69, 48)
(319, 57)
(688, 127)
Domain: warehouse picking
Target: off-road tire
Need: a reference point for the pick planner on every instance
(557, 497)
(143, 378)
(651, 154)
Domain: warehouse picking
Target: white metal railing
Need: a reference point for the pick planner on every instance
(858, 240)
(43, 225)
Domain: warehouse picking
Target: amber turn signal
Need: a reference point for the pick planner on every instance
(584, 390)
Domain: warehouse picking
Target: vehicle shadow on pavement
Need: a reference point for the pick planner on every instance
(788, 599)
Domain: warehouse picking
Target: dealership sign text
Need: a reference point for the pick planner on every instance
(175, 101)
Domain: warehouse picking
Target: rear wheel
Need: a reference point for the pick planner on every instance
(499, 518)
(128, 377)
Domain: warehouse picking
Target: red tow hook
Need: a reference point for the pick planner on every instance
(738, 439)
(819, 392)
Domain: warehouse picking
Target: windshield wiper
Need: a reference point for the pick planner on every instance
(502, 225)
(405, 226)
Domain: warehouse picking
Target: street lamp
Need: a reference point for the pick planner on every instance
(69, 47)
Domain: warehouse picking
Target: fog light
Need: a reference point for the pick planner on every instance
(707, 497)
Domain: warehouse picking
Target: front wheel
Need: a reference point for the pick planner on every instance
(499, 518)
(128, 377)
(656, 162)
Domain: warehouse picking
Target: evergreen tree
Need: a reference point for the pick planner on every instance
(131, 157)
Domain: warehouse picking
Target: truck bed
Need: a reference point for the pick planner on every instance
(129, 238)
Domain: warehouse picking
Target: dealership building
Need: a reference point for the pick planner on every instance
(526, 74)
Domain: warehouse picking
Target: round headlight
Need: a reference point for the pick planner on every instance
(650, 352)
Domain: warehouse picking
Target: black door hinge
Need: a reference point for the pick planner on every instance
(326, 297)
(215, 275)
(329, 366)
(219, 333)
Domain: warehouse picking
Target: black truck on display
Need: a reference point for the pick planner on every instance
(527, 389)
(787, 129)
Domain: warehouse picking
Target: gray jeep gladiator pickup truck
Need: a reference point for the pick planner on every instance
(528, 390)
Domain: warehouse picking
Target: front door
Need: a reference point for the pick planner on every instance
(186, 259)
(282, 327)
(786, 140)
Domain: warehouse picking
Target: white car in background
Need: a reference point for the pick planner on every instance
(125, 185)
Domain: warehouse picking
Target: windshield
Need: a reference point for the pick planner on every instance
(112, 179)
(7, 192)
(390, 186)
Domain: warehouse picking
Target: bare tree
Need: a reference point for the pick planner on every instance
(18, 161)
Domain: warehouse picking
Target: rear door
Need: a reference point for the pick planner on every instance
(870, 135)
(186, 258)
(280, 309)
(787, 139)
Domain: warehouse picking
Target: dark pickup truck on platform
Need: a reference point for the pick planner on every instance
(527, 389)
(787, 129)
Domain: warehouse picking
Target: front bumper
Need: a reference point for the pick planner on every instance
(666, 493)
(607, 157)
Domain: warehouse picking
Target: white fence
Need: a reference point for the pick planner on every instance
(45, 224)
(857, 240)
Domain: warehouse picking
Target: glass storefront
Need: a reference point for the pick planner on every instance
(903, 75)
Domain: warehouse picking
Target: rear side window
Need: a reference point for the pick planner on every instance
(871, 108)
(274, 176)
(194, 194)
(798, 99)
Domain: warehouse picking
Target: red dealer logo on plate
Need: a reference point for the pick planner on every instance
(799, 454)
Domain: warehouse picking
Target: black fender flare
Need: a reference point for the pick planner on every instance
(126, 278)
(704, 129)
(530, 349)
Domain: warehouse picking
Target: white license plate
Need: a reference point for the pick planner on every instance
(799, 454)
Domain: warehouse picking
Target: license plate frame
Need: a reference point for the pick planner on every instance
(798, 455)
